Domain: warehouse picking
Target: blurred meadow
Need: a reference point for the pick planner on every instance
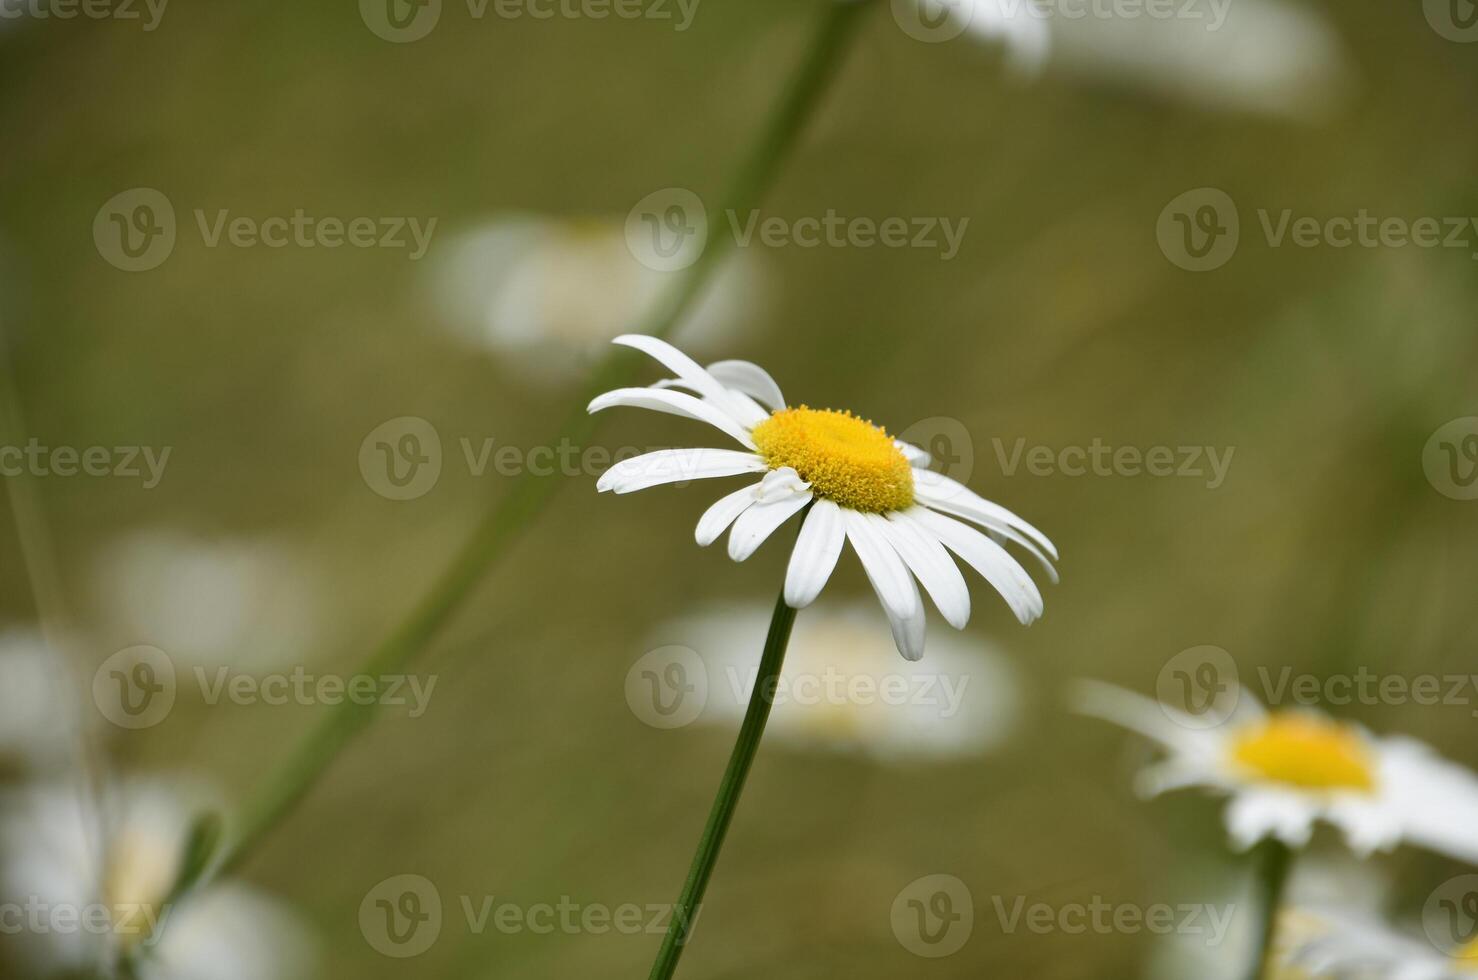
(1060, 322)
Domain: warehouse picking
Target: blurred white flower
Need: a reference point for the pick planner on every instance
(1358, 946)
(1188, 954)
(1288, 769)
(843, 688)
(250, 603)
(91, 883)
(549, 293)
(36, 719)
(1020, 25)
(1262, 56)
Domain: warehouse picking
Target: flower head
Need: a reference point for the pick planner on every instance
(855, 483)
(1286, 770)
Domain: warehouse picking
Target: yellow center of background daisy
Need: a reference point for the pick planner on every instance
(845, 459)
(1308, 752)
(1466, 957)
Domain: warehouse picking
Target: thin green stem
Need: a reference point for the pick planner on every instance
(1274, 869)
(514, 512)
(685, 913)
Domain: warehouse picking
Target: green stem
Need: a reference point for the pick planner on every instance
(513, 513)
(1274, 869)
(680, 924)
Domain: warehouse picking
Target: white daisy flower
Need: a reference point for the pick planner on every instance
(113, 866)
(843, 689)
(1356, 946)
(1223, 949)
(209, 601)
(549, 293)
(1286, 770)
(1266, 57)
(855, 483)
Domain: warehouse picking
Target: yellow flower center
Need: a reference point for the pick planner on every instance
(845, 459)
(1307, 751)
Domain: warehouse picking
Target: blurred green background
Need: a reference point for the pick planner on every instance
(1059, 321)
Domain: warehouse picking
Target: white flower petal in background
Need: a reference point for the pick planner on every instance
(1227, 955)
(1266, 57)
(549, 293)
(250, 603)
(845, 689)
(36, 719)
(59, 851)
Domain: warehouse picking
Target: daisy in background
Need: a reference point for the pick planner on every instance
(1207, 955)
(1286, 770)
(36, 722)
(209, 601)
(1263, 57)
(1357, 946)
(844, 689)
(855, 483)
(549, 293)
(60, 855)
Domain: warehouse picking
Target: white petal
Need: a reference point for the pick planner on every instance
(781, 483)
(745, 410)
(891, 581)
(912, 453)
(760, 521)
(751, 379)
(1257, 813)
(815, 555)
(677, 466)
(941, 493)
(716, 519)
(674, 403)
(988, 558)
(935, 569)
(1177, 732)
(693, 376)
